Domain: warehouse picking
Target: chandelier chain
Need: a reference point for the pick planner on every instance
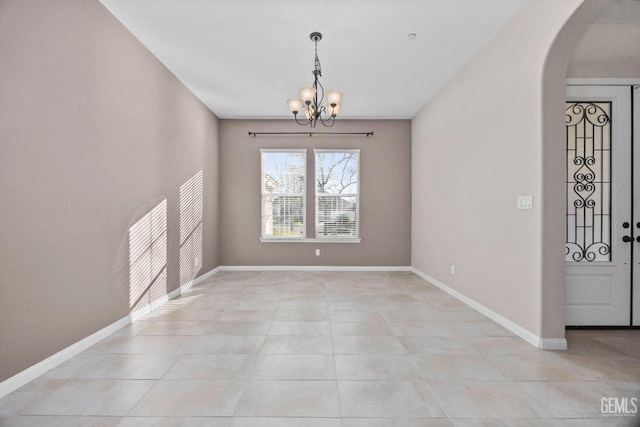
(318, 68)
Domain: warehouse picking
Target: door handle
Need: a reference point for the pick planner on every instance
(627, 239)
(627, 225)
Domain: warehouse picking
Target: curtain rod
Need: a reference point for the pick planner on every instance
(368, 134)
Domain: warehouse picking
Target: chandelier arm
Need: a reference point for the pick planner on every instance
(319, 103)
(331, 120)
(295, 117)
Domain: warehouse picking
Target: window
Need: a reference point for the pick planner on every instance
(337, 189)
(283, 194)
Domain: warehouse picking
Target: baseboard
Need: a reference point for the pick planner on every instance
(20, 379)
(553, 343)
(137, 314)
(33, 372)
(311, 268)
(199, 280)
(530, 337)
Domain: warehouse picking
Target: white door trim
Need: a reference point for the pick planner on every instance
(602, 82)
(635, 139)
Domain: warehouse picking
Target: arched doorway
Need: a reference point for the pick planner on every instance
(585, 53)
(605, 66)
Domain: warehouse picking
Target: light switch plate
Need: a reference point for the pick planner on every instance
(525, 202)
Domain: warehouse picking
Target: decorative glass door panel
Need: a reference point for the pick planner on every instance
(588, 127)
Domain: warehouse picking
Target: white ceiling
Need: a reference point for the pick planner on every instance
(245, 58)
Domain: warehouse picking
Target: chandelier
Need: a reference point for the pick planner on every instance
(315, 104)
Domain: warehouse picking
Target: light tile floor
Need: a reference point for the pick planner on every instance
(247, 349)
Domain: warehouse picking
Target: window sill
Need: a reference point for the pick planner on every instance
(310, 240)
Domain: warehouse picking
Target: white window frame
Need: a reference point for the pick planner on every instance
(303, 236)
(355, 238)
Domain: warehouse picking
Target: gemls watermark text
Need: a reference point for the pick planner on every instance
(619, 406)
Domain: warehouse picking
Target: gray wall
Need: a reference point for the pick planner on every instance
(607, 50)
(477, 146)
(93, 132)
(385, 194)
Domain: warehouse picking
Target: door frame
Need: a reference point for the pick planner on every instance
(635, 209)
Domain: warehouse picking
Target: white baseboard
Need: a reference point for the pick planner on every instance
(33, 372)
(311, 268)
(553, 343)
(15, 382)
(137, 314)
(530, 337)
(198, 280)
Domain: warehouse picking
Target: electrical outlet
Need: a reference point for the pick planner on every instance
(317, 252)
(453, 269)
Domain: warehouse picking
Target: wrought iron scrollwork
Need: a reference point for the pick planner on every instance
(588, 126)
(584, 185)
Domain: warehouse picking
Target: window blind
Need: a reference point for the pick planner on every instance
(283, 194)
(337, 176)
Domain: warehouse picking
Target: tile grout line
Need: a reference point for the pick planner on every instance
(412, 360)
(333, 356)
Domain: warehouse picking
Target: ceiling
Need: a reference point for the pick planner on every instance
(245, 58)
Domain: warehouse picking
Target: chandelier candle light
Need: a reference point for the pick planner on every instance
(314, 96)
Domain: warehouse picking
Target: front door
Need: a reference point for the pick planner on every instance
(601, 229)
